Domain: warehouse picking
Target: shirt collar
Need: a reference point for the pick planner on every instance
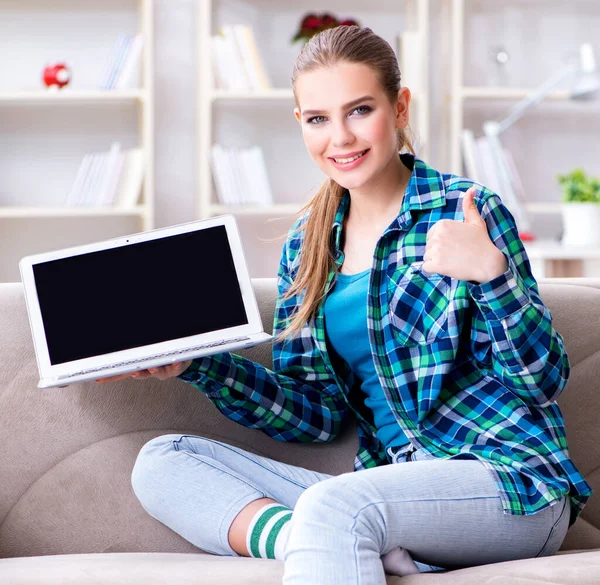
(425, 190)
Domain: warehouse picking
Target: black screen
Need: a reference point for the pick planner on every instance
(139, 294)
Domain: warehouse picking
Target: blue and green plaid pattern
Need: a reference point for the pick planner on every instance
(469, 370)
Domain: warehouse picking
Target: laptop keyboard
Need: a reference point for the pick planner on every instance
(160, 355)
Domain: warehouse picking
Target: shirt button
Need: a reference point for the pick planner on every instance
(485, 309)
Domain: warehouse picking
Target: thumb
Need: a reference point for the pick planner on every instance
(470, 210)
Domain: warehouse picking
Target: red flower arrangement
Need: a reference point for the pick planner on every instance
(313, 23)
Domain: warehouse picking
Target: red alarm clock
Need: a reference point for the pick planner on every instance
(57, 75)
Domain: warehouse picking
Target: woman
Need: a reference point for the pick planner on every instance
(410, 306)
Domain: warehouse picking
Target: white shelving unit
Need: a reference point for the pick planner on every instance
(45, 134)
(553, 138)
(243, 119)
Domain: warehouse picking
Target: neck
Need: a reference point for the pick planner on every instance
(381, 198)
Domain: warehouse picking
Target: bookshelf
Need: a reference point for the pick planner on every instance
(245, 118)
(554, 138)
(45, 134)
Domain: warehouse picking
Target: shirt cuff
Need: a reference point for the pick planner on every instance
(502, 296)
(191, 374)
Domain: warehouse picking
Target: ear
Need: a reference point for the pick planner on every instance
(402, 105)
(297, 114)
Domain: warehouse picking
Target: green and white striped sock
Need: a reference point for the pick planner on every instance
(268, 532)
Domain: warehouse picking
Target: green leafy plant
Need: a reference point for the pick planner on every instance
(579, 188)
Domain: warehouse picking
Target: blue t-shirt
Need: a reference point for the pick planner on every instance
(346, 328)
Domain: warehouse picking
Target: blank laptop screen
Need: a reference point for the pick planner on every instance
(136, 295)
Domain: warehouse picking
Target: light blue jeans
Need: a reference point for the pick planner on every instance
(445, 513)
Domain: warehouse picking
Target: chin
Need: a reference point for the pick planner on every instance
(351, 183)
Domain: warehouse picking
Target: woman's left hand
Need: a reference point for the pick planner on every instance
(463, 249)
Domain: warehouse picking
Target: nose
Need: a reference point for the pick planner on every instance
(342, 136)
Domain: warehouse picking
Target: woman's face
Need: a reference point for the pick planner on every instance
(348, 123)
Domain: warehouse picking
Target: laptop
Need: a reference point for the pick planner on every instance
(140, 301)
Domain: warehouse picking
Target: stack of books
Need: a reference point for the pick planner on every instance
(106, 179)
(123, 66)
(236, 61)
(481, 167)
(240, 176)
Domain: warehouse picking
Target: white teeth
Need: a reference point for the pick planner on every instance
(347, 160)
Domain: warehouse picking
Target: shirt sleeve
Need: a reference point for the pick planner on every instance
(299, 400)
(512, 334)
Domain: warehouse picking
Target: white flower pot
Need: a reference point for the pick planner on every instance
(581, 222)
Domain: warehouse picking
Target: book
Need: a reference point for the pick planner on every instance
(111, 61)
(219, 171)
(86, 194)
(262, 189)
(471, 158)
(132, 177)
(121, 58)
(219, 62)
(253, 64)
(489, 174)
(515, 178)
(500, 179)
(129, 75)
(72, 199)
(235, 71)
(240, 197)
(114, 181)
(103, 196)
(240, 176)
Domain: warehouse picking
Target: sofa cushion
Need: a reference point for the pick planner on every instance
(188, 569)
(67, 453)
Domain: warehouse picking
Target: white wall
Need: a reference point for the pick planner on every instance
(175, 111)
(176, 153)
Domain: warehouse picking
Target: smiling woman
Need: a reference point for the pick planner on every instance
(405, 302)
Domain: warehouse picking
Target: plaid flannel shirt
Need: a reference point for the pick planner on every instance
(469, 370)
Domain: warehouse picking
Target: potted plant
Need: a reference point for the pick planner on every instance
(580, 209)
(312, 24)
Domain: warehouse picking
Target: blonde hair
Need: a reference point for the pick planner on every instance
(350, 44)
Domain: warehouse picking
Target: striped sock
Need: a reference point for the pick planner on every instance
(268, 532)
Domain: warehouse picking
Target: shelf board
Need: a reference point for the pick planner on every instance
(553, 207)
(553, 250)
(269, 94)
(34, 97)
(57, 212)
(494, 93)
(279, 208)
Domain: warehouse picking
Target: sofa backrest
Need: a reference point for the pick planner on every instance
(66, 453)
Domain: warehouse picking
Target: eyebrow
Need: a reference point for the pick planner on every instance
(365, 98)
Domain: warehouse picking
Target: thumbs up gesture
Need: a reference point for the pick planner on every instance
(464, 249)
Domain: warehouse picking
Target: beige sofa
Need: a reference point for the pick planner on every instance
(68, 514)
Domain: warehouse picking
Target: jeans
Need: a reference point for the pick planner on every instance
(446, 513)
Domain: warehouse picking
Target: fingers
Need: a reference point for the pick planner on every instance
(166, 372)
(160, 373)
(112, 378)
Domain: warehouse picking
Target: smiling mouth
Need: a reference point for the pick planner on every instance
(342, 161)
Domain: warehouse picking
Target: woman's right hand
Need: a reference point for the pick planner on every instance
(161, 373)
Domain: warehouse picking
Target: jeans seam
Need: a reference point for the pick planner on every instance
(355, 518)
(551, 533)
(234, 450)
(203, 459)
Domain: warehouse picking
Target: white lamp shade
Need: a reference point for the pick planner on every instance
(587, 81)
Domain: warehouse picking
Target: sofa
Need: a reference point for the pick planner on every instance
(68, 514)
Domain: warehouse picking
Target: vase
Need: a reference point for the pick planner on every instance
(581, 223)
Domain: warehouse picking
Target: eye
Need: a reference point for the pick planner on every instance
(362, 109)
(315, 120)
